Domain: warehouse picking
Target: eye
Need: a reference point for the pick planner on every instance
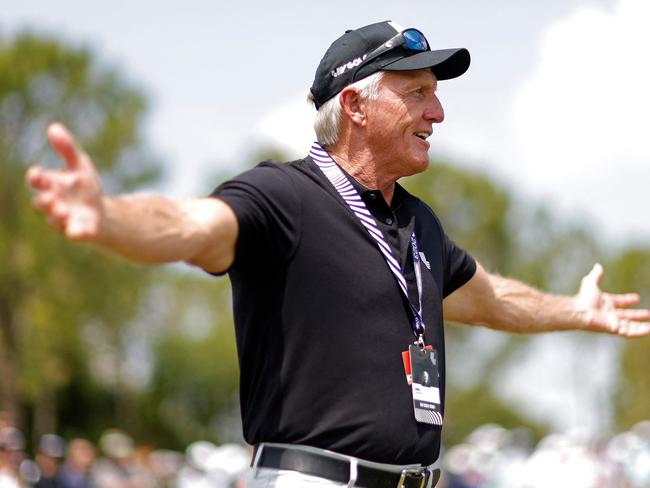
(420, 92)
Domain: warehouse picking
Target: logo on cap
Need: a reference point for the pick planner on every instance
(349, 65)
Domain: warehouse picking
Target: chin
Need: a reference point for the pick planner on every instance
(419, 165)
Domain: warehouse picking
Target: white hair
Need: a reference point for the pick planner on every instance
(328, 117)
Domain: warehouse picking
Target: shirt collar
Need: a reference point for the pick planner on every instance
(317, 152)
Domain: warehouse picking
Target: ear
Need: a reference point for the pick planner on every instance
(353, 106)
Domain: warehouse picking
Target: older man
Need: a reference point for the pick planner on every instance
(338, 273)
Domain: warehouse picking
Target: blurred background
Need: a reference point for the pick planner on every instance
(539, 170)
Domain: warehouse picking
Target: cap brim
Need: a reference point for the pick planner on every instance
(445, 63)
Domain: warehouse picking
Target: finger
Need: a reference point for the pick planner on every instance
(623, 299)
(37, 178)
(76, 229)
(64, 144)
(44, 201)
(633, 329)
(49, 204)
(589, 283)
(639, 315)
(596, 274)
(59, 211)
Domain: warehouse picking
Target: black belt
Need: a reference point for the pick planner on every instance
(338, 470)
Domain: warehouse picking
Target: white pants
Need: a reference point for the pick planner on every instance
(276, 478)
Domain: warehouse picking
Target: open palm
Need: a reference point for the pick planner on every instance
(607, 312)
(71, 198)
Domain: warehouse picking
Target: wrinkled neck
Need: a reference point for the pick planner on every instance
(362, 169)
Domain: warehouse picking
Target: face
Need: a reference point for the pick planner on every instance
(401, 119)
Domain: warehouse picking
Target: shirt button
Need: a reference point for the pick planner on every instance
(389, 221)
(372, 196)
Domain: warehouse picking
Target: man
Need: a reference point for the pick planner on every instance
(338, 273)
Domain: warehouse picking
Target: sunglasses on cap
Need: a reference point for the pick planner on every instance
(411, 39)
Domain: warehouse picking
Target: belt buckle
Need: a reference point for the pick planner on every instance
(409, 473)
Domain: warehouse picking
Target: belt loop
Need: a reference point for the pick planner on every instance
(353, 472)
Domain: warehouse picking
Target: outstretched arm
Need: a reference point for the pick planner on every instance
(146, 229)
(509, 305)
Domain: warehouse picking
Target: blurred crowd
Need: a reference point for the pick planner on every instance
(493, 457)
(117, 463)
(490, 457)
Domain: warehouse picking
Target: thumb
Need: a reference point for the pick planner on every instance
(595, 276)
(64, 144)
(597, 272)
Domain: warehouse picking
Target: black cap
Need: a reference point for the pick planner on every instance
(339, 64)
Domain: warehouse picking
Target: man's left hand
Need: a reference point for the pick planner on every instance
(607, 312)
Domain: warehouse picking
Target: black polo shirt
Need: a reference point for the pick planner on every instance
(320, 320)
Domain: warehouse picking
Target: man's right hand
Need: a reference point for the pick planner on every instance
(70, 198)
(143, 228)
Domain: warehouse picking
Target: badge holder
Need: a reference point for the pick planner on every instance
(421, 366)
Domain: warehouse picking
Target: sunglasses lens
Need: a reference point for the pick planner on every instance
(415, 40)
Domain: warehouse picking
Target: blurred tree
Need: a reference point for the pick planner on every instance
(195, 377)
(473, 209)
(51, 289)
(507, 235)
(631, 271)
(470, 408)
(513, 238)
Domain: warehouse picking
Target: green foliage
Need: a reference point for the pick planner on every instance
(631, 271)
(195, 377)
(473, 209)
(507, 235)
(51, 289)
(471, 408)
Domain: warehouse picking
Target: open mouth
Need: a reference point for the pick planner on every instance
(422, 135)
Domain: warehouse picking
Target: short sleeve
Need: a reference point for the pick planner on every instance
(459, 266)
(267, 208)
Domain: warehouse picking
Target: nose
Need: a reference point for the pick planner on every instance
(434, 111)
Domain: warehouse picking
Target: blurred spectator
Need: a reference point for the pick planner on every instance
(230, 463)
(12, 444)
(561, 461)
(118, 467)
(629, 454)
(165, 466)
(490, 457)
(210, 466)
(195, 473)
(76, 470)
(50, 452)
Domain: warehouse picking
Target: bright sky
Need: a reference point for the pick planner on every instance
(554, 105)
